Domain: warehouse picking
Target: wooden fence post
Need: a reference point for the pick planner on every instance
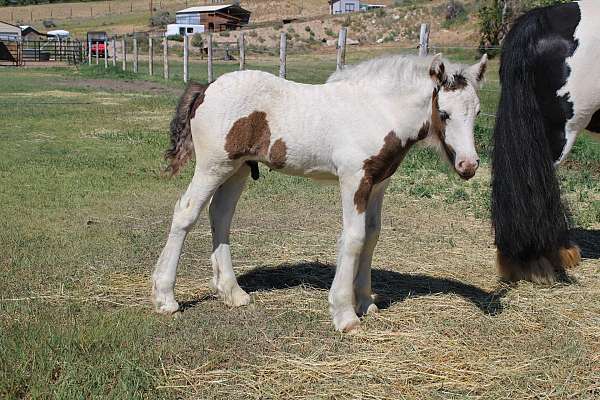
(114, 51)
(424, 40)
(210, 58)
(135, 55)
(124, 51)
(97, 56)
(106, 54)
(341, 49)
(166, 57)
(186, 56)
(89, 50)
(282, 54)
(242, 46)
(150, 57)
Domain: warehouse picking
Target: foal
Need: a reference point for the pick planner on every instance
(355, 129)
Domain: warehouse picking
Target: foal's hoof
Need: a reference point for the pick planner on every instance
(165, 307)
(366, 306)
(236, 297)
(346, 321)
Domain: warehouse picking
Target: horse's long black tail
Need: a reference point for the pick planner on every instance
(530, 221)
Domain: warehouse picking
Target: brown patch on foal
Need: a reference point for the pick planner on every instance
(438, 126)
(458, 82)
(249, 136)
(278, 154)
(380, 167)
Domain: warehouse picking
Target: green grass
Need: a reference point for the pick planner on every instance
(85, 212)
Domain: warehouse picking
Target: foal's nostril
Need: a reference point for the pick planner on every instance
(461, 165)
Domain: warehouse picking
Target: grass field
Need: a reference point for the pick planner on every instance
(85, 213)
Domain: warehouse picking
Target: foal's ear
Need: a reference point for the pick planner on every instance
(437, 70)
(476, 72)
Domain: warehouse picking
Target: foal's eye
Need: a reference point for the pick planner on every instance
(444, 116)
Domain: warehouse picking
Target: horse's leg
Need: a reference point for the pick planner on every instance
(222, 207)
(362, 284)
(187, 209)
(350, 245)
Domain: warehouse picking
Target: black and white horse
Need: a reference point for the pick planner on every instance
(550, 92)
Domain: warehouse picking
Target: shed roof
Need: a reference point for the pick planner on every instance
(211, 8)
(9, 28)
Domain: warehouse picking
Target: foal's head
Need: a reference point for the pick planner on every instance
(455, 105)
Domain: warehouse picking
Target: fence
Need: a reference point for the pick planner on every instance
(69, 51)
(127, 57)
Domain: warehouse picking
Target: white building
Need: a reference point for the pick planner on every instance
(345, 6)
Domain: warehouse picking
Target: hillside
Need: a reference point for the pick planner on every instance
(394, 24)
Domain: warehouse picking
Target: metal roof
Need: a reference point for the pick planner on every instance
(204, 8)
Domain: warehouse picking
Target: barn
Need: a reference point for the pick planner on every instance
(10, 44)
(9, 32)
(30, 33)
(221, 17)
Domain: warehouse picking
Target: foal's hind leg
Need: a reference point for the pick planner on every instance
(362, 284)
(186, 213)
(222, 207)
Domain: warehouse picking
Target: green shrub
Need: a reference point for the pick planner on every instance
(162, 19)
(198, 40)
(177, 38)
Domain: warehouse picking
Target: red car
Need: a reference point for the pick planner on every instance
(98, 48)
(96, 41)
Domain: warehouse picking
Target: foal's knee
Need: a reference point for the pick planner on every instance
(353, 241)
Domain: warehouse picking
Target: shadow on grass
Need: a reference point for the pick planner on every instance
(588, 241)
(392, 287)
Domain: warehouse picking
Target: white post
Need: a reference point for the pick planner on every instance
(89, 49)
(424, 40)
(242, 46)
(282, 54)
(124, 50)
(186, 56)
(106, 54)
(210, 58)
(341, 49)
(165, 57)
(114, 52)
(150, 57)
(135, 55)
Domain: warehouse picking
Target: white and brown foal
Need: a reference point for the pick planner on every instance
(355, 129)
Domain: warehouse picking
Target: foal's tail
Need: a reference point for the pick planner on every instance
(182, 145)
(530, 221)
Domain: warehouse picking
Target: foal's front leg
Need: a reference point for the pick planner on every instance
(362, 284)
(341, 296)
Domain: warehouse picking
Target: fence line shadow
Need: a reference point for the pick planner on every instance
(588, 241)
(391, 286)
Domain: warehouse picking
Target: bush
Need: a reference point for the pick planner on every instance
(224, 34)
(162, 19)
(48, 23)
(177, 38)
(197, 40)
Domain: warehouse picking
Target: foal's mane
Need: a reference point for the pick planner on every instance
(399, 72)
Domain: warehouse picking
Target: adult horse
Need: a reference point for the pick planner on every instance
(355, 131)
(550, 92)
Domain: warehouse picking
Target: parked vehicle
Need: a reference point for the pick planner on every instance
(96, 41)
